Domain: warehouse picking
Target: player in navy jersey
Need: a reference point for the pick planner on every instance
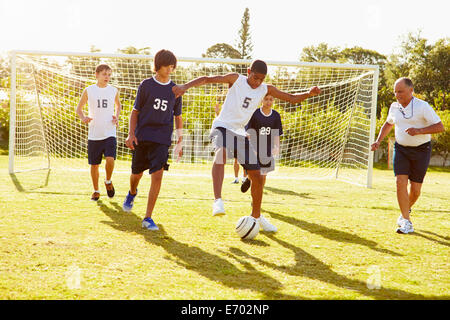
(265, 128)
(150, 132)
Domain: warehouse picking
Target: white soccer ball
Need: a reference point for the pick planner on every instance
(247, 227)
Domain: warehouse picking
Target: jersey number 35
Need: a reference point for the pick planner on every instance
(160, 104)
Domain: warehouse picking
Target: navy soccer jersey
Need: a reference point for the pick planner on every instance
(157, 106)
(267, 128)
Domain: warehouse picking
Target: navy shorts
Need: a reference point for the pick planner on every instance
(412, 161)
(237, 146)
(98, 148)
(268, 166)
(149, 155)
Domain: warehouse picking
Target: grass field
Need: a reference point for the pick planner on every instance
(335, 241)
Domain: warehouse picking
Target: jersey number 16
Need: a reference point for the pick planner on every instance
(104, 103)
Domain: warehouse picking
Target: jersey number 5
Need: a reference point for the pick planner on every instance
(246, 102)
(160, 104)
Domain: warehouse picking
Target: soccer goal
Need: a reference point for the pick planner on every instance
(327, 136)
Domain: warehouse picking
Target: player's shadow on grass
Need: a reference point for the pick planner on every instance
(420, 234)
(436, 235)
(331, 234)
(193, 258)
(287, 192)
(306, 265)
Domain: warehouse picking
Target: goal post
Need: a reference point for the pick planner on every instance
(328, 136)
(12, 114)
(373, 125)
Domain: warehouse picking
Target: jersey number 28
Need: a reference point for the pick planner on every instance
(264, 131)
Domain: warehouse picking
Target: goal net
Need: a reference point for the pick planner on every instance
(327, 136)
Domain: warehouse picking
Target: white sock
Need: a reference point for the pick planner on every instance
(108, 181)
(217, 199)
(98, 191)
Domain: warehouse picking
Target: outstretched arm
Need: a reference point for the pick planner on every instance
(228, 78)
(292, 98)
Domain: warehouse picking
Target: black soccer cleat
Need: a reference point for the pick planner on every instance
(95, 196)
(246, 185)
(110, 189)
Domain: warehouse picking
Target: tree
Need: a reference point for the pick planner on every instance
(244, 46)
(94, 49)
(358, 55)
(133, 50)
(4, 72)
(130, 72)
(222, 51)
(432, 76)
(81, 64)
(441, 145)
(244, 43)
(428, 66)
(320, 53)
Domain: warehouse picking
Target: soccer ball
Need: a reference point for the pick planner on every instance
(247, 227)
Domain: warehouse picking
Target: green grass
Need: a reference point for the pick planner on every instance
(333, 238)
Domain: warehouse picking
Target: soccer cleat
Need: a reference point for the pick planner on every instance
(401, 219)
(235, 181)
(128, 202)
(95, 196)
(110, 189)
(266, 225)
(246, 185)
(406, 227)
(149, 224)
(218, 207)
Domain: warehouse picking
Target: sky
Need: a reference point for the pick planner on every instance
(279, 28)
